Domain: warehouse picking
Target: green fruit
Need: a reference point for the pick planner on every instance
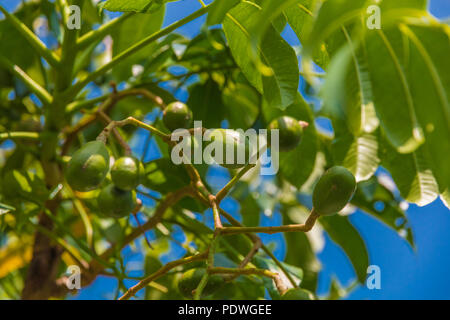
(127, 172)
(297, 294)
(191, 278)
(114, 202)
(88, 166)
(177, 115)
(333, 190)
(290, 132)
(222, 138)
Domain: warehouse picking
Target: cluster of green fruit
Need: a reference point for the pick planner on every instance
(88, 168)
(178, 115)
(331, 193)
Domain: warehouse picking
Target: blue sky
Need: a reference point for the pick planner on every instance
(405, 274)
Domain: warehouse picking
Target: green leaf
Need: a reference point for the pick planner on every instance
(242, 105)
(358, 154)
(347, 92)
(333, 15)
(12, 43)
(306, 151)
(280, 86)
(205, 101)
(270, 11)
(24, 185)
(445, 197)
(218, 10)
(411, 174)
(347, 237)
(163, 176)
(129, 33)
(301, 18)
(368, 197)
(141, 6)
(392, 88)
(427, 46)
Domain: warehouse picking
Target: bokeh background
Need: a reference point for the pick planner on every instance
(406, 273)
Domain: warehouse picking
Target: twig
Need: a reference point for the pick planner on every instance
(307, 226)
(117, 135)
(159, 273)
(134, 213)
(19, 135)
(224, 191)
(130, 120)
(209, 263)
(254, 237)
(216, 214)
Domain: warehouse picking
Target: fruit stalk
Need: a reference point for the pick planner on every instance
(307, 226)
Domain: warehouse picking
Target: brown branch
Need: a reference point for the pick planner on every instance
(307, 226)
(116, 133)
(161, 272)
(106, 106)
(254, 238)
(224, 191)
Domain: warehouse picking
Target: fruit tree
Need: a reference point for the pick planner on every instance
(96, 97)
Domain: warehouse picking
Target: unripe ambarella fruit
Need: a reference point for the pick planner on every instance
(88, 166)
(333, 190)
(224, 140)
(290, 132)
(191, 278)
(127, 172)
(177, 115)
(297, 294)
(116, 203)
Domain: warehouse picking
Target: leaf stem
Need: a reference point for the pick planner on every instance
(75, 89)
(19, 135)
(93, 35)
(307, 226)
(34, 41)
(40, 92)
(224, 191)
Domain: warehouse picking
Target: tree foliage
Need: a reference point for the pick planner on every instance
(385, 91)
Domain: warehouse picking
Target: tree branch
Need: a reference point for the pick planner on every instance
(162, 271)
(307, 226)
(19, 135)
